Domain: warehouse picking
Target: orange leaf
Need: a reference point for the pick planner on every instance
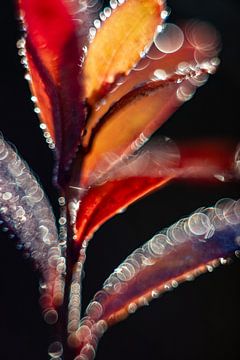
(118, 44)
(134, 118)
(157, 64)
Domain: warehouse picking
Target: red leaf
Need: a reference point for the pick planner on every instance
(53, 53)
(203, 160)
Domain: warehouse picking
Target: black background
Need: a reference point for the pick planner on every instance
(199, 320)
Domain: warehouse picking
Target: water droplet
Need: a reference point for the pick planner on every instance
(167, 287)
(107, 12)
(174, 284)
(92, 32)
(164, 14)
(132, 307)
(160, 74)
(113, 4)
(43, 126)
(21, 43)
(102, 16)
(61, 201)
(62, 220)
(209, 268)
(155, 294)
(37, 110)
(97, 23)
(34, 99)
(27, 77)
(223, 261)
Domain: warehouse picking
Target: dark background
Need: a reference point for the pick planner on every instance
(199, 320)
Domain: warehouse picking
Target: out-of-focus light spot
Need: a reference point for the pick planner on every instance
(51, 317)
(92, 32)
(160, 74)
(55, 349)
(27, 77)
(21, 43)
(202, 36)
(132, 308)
(61, 200)
(113, 4)
(237, 159)
(97, 23)
(170, 39)
(37, 110)
(102, 16)
(62, 220)
(185, 92)
(165, 13)
(199, 80)
(46, 134)
(143, 64)
(107, 12)
(7, 195)
(43, 126)
(199, 224)
(155, 54)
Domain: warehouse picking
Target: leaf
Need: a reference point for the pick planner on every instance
(26, 211)
(96, 208)
(159, 65)
(185, 250)
(131, 179)
(127, 125)
(154, 166)
(118, 44)
(53, 54)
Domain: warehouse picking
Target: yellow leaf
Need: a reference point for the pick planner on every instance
(119, 43)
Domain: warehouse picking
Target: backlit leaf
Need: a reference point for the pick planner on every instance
(54, 53)
(158, 65)
(151, 170)
(118, 44)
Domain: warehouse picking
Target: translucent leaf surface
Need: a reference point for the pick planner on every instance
(158, 64)
(117, 45)
(127, 125)
(152, 168)
(53, 50)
